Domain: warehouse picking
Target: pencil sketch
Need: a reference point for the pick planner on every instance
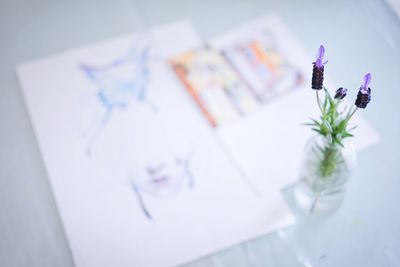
(119, 83)
(163, 179)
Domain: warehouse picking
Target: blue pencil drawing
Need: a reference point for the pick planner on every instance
(163, 179)
(119, 83)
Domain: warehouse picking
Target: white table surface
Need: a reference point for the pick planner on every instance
(363, 35)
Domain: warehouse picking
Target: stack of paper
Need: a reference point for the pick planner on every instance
(160, 151)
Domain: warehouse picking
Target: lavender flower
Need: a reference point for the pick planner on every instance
(364, 94)
(318, 70)
(340, 93)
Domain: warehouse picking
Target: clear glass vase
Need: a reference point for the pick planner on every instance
(325, 170)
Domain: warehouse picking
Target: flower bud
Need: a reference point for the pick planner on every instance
(318, 70)
(363, 98)
(340, 93)
(364, 94)
(317, 80)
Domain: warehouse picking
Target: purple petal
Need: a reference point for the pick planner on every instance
(364, 86)
(367, 80)
(320, 57)
(321, 53)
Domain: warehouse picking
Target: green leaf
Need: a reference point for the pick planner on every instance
(346, 134)
(309, 124)
(325, 103)
(316, 130)
(328, 126)
(331, 101)
(341, 125)
(352, 128)
(316, 122)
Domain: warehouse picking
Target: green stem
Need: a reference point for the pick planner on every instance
(327, 167)
(314, 203)
(318, 101)
(351, 115)
(328, 162)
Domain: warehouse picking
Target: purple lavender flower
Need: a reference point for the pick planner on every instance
(318, 70)
(340, 93)
(364, 94)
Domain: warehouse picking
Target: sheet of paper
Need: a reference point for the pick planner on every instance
(139, 176)
(268, 142)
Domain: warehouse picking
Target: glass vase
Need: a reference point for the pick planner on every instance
(325, 170)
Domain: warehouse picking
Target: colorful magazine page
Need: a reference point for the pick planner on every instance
(262, 65)
(214, 85)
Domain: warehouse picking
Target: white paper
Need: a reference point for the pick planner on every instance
(139, 177)
(267, 144)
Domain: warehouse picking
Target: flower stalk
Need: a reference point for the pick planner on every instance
(333, 122)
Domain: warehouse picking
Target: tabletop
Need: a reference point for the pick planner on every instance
(364, 34)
